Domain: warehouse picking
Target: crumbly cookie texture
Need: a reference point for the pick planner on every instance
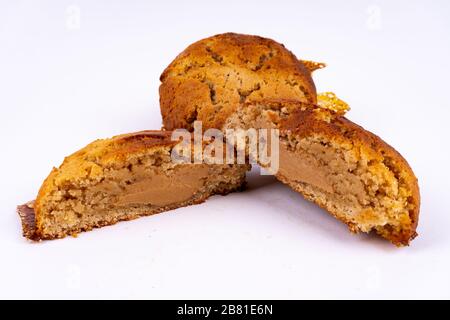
(348, 171)
(213, 77)
(240, 81)
(122, 178)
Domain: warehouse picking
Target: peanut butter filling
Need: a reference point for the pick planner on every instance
(302, 169)
(155, 187)
(322, 168)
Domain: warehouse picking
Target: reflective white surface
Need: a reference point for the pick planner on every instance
(75, 71)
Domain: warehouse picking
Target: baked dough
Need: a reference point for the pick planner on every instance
(122, 178)
(212, 77)
(241, 81)
(350, 172)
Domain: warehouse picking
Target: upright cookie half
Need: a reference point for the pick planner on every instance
(212, 77)
(122, 178)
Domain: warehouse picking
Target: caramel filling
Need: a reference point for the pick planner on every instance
(302, 169)
(154, 187)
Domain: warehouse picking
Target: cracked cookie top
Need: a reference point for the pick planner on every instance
(215, 76)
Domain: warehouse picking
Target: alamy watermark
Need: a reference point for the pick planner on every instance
(73, 17)
(231, 146)
(373, 21)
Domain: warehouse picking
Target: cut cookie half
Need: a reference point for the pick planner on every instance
(122, 178)
(348, 171)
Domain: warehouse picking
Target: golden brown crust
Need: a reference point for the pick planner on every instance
(87, 161)
(306, 120)
(211, 78)
(313, 65)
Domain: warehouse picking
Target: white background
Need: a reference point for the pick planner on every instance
(64, 83)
